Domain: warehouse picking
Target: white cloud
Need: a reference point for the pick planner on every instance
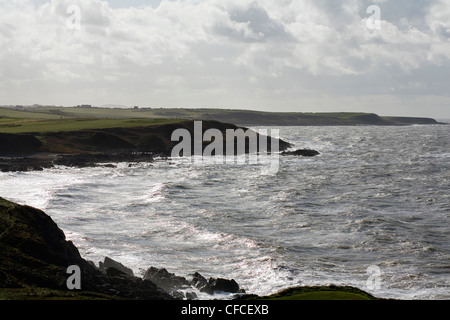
(244, 53)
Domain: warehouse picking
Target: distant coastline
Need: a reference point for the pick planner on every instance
(10, 116)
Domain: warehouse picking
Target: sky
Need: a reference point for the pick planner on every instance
(390, 57)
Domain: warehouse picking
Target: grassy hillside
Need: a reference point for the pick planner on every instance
(27, 114)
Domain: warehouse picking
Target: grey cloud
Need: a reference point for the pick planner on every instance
(412, 12)
(337, 13)
(443, 32)
(262, 27)
(402, 13)
(6, 30)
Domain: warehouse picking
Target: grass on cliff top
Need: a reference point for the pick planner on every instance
(155, 113)
(320, 293)
(14, 125)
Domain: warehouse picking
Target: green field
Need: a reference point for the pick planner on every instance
(55, 119)
(22, 114)
(110, 113)
(13, 125)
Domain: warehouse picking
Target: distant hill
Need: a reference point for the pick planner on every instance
(238, 117)
(255, 118)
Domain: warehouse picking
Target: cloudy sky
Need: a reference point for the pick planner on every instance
(272, 55)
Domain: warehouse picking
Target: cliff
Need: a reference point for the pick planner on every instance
(35, 255)
(37, 150)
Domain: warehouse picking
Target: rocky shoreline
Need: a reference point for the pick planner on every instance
(35, 259)
(39, 162)
(178, 287)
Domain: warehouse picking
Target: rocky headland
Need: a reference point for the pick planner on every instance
(82, 148)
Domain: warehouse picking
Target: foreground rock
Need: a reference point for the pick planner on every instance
(215, 285)
(109, 264)
(35, 255)
(166, 280)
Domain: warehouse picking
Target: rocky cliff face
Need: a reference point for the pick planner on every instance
(34, 253)
(82, 148)
(155, 139)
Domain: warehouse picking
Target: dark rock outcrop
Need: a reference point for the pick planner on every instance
(171, 282)
(201, 283)
(31, 163)
(301, 152)
(215, 284)
(109, 264)
(11, 144)
(224, 285)
(166, 280)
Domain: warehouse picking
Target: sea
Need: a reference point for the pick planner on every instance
(371, 211)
